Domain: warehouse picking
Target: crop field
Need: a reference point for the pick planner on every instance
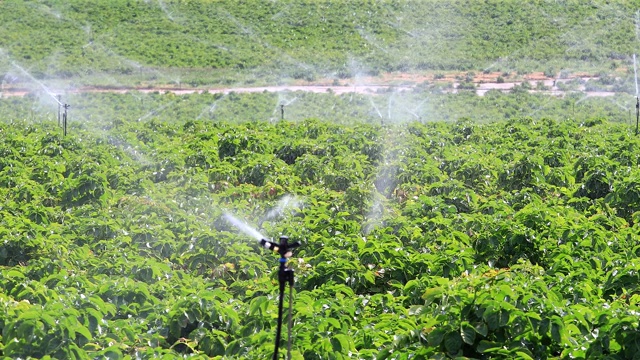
(202, 42)
(463, 179)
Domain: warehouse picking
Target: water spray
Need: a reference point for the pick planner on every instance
(635, 72)
(156, 111)
(377, 110)
(287, 202)
(43, 86)
(248, 230)
(59, 105)
(637, 22)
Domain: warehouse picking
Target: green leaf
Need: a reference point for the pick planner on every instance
(435, 337)
(492, 318)
(453, 342)
(130, 334)
(410, 285)
(26, 329)
(296, 355)
(430, 295)
(257, 304)
(70, 331)
(415, 310)
(384, 354)
(74, 352)
(83, 331)
(400, 341)
(468, 333)
(175, 328)
(504, 317)
(334, 323)
(112, 353)
(556, 332)
(91, 347)
(523, 355)
(29, 315)
(234, 347)
(14, 274)
(485, 346)
(214, 346)
(49, 320)
(326, 345)
(345, 341)
(544, 326)
(370, 277)
(12, 347)
(337, 345)
(481, 328)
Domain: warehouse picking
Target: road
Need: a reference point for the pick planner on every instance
(386, 83)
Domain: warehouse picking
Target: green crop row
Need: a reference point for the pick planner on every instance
(396, 106)
(509, 239)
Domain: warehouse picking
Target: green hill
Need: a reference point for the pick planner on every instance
(218, 41)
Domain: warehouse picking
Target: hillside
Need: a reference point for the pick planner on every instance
(207, 42)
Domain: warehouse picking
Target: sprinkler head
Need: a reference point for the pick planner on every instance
(286, 247)
(283, 248)
(270, 245)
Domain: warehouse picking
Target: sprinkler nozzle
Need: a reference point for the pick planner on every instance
(283, 248)
(270, 245)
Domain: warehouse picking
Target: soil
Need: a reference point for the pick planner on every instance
(483, 82)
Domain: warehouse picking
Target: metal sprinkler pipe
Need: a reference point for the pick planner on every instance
(637, 113)
(64, 119)
(285, 275)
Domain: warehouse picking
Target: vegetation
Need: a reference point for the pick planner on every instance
(204, 42)
(435, 223)
(423, 104)
(509, 239)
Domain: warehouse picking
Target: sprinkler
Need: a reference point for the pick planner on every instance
(285, 276)
(281, 111)
(637, 114)
(64, 118)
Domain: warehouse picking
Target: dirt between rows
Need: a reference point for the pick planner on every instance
(388, 82)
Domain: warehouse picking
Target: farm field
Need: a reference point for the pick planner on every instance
(478, 198)
(510, 239)
(255, 42)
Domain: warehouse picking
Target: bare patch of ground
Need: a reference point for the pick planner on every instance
(482, 82)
